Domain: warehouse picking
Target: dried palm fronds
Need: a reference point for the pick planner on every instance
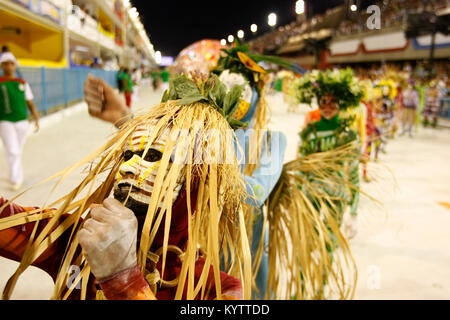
(259, 130)
(309, 258)
(216, 220)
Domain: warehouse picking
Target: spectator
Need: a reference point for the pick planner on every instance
(127, 87)
(15, 97)
(120, 79)
(165, 75)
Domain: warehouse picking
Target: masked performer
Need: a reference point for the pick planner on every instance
(260, 153)
(175, 198)
(308, 203)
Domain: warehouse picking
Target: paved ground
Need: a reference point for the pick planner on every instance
(402, 249)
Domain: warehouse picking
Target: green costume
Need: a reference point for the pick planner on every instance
(13, 104)
(339, 181)
(307, 204)
(325, 135)
(165, 75)
(129, 86)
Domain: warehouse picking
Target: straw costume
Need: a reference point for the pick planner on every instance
(176, 169)
(306, 206)
(263, 149)
(328, 134)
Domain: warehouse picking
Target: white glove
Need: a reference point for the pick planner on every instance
(108, 239)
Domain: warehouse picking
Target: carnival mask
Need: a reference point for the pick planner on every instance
(139, 168)
(233, 79)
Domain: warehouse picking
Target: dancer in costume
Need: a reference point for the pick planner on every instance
(378, 115)
(331, 131)
(308, 203)
(263, 150)
(372, 133)
(174, 198)
(431, 111)
(410, 107)
(260, 152)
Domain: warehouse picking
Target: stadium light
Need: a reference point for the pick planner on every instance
(353, 7)
(223, 42)
(272, 19)
(158, 57)
(240, 34)
(253, 28)
(230, 38)
(300, 7)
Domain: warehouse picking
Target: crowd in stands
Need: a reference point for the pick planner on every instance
(394, 14)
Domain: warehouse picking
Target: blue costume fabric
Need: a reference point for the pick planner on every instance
(259, 186)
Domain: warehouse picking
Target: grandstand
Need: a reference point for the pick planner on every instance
(340, 36)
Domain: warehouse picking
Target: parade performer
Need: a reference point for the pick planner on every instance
(175, 197)
(263, 150)
(372, 133)
(389, 90)
(15, 98)
(410, 106)
(307, 205)
(379, 121)
(260, 152)
(430, 113)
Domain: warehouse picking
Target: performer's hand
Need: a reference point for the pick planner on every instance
(103, 102)
(108, 239)
(36, 126)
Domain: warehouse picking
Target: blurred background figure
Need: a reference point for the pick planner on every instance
(165, 75)
(15, 97)
(430, 113)
(127, 87)
(410, 105)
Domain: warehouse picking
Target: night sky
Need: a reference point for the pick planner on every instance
(173, 25)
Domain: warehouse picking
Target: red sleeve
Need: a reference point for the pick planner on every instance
(127, 285)
(13, 241)
(231, 286)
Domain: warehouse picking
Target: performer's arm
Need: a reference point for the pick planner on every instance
(129, 284)
(104, 103)
(14, 240)
(264, 178)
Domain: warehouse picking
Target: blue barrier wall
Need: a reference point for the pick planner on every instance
(59, 87)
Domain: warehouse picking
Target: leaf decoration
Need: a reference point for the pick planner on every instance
(196, 97)
(238, 60)
(210, 90)
(185, 87)
(232, 99)
(250, 63)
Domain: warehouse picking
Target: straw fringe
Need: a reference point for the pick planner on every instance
(220, 191)
(309, 258)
